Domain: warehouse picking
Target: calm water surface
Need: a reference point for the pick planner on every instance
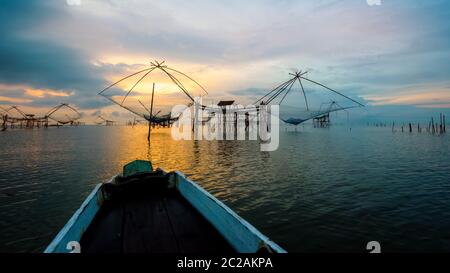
(323, 190)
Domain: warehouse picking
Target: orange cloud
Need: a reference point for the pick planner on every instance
(14, 100)
(41, 93)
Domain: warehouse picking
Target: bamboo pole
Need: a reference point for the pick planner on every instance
(5, 118)
(444, 123)
(433, 129)
(151, 113)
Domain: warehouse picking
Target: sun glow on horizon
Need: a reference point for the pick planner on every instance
(426, 98)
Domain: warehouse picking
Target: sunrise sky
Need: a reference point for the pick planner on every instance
(394, 57)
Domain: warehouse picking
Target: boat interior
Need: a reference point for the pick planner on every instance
(142, 213)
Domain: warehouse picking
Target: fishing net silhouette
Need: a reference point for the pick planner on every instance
(63, 114)
(152, 92)
(301, 99)
(13, 112)
(100, 120)
(2, 112)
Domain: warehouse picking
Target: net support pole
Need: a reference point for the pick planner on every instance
(151, 113)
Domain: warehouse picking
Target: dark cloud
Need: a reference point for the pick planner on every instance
(253, 91)
(43, 64)
(40, 62)
(22, 14)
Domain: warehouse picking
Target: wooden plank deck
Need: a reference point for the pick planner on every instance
(163, 222)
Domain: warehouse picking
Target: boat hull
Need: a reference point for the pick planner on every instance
(203, 214)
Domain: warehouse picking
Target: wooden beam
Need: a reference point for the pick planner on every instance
(151, 113)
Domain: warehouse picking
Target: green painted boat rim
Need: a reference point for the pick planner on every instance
(137, 167)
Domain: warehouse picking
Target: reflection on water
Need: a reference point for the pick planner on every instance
(322, 190)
